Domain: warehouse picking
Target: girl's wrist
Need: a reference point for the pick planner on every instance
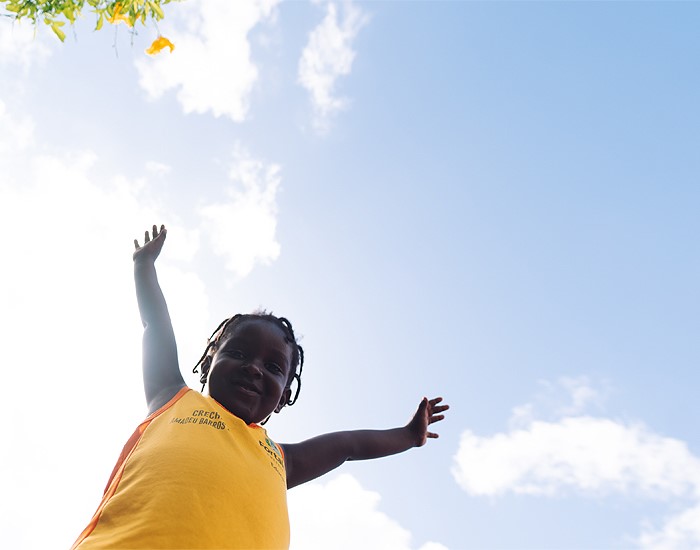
(143, 259)
(412, 438)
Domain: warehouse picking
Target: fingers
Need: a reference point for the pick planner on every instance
(428, 413)
(435, 410)
(146, 239)
(157, 233)
(147, 236)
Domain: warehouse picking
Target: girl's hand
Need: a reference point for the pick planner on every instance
(151, 247)
(427, 413)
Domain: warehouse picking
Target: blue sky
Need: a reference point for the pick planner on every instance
(491, 201)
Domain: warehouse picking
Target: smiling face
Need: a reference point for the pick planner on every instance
(250, 370)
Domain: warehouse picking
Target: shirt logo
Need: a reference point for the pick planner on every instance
(202, 416)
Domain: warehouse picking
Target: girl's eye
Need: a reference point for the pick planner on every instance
(273, 367)
(236, 354)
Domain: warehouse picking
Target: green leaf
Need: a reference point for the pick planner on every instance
(157, 9)
(56, 28)
(51, 11)
(69, 13)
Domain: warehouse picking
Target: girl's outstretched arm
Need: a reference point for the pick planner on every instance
(312, 458)
(161, 372)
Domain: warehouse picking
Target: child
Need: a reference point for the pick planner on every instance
(199, 471)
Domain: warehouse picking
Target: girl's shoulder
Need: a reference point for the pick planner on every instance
(166, 398)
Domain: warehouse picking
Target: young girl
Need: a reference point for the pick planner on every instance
(199, 471)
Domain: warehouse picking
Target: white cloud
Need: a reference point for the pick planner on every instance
(567, 396)
(327, 56)
(20, 44)
(433, 546)
(587, 454)
(575, 394)
(157, 168)
(680, 532)
(341, 514)
(242, 229)
(581, 394)
(16, 134)
(211, 66)
(592, 456)
(69, 318)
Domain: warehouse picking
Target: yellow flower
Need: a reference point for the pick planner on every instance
(159, 44)
(118, 16)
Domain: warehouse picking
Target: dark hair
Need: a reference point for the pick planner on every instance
(227, 326)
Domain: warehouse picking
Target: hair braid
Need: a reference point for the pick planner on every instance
(212, 343)
(299, 356)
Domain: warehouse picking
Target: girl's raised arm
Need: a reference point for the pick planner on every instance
(312, 458)
(161, 372)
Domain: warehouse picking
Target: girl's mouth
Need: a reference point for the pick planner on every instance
(247, 387)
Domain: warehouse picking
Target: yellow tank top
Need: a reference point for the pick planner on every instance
(193, 476)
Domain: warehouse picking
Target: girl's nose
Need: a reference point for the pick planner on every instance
(253, 369)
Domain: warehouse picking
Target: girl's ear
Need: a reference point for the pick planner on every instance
(284, 399)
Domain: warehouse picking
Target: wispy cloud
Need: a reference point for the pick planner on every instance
(20, 45)
(327, 56)
(242, 227)
(157, 169)
(591, 455)
(679, 532)
(16, 132)
(70, 320)
(341, 514)
(211, 67)
(587, 455)
(567, 396)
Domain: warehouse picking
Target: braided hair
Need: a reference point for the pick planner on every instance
(227, 326)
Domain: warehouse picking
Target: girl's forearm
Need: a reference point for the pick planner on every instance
(368, 444)
(161, 372)
(149, 296)
(317, 456)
